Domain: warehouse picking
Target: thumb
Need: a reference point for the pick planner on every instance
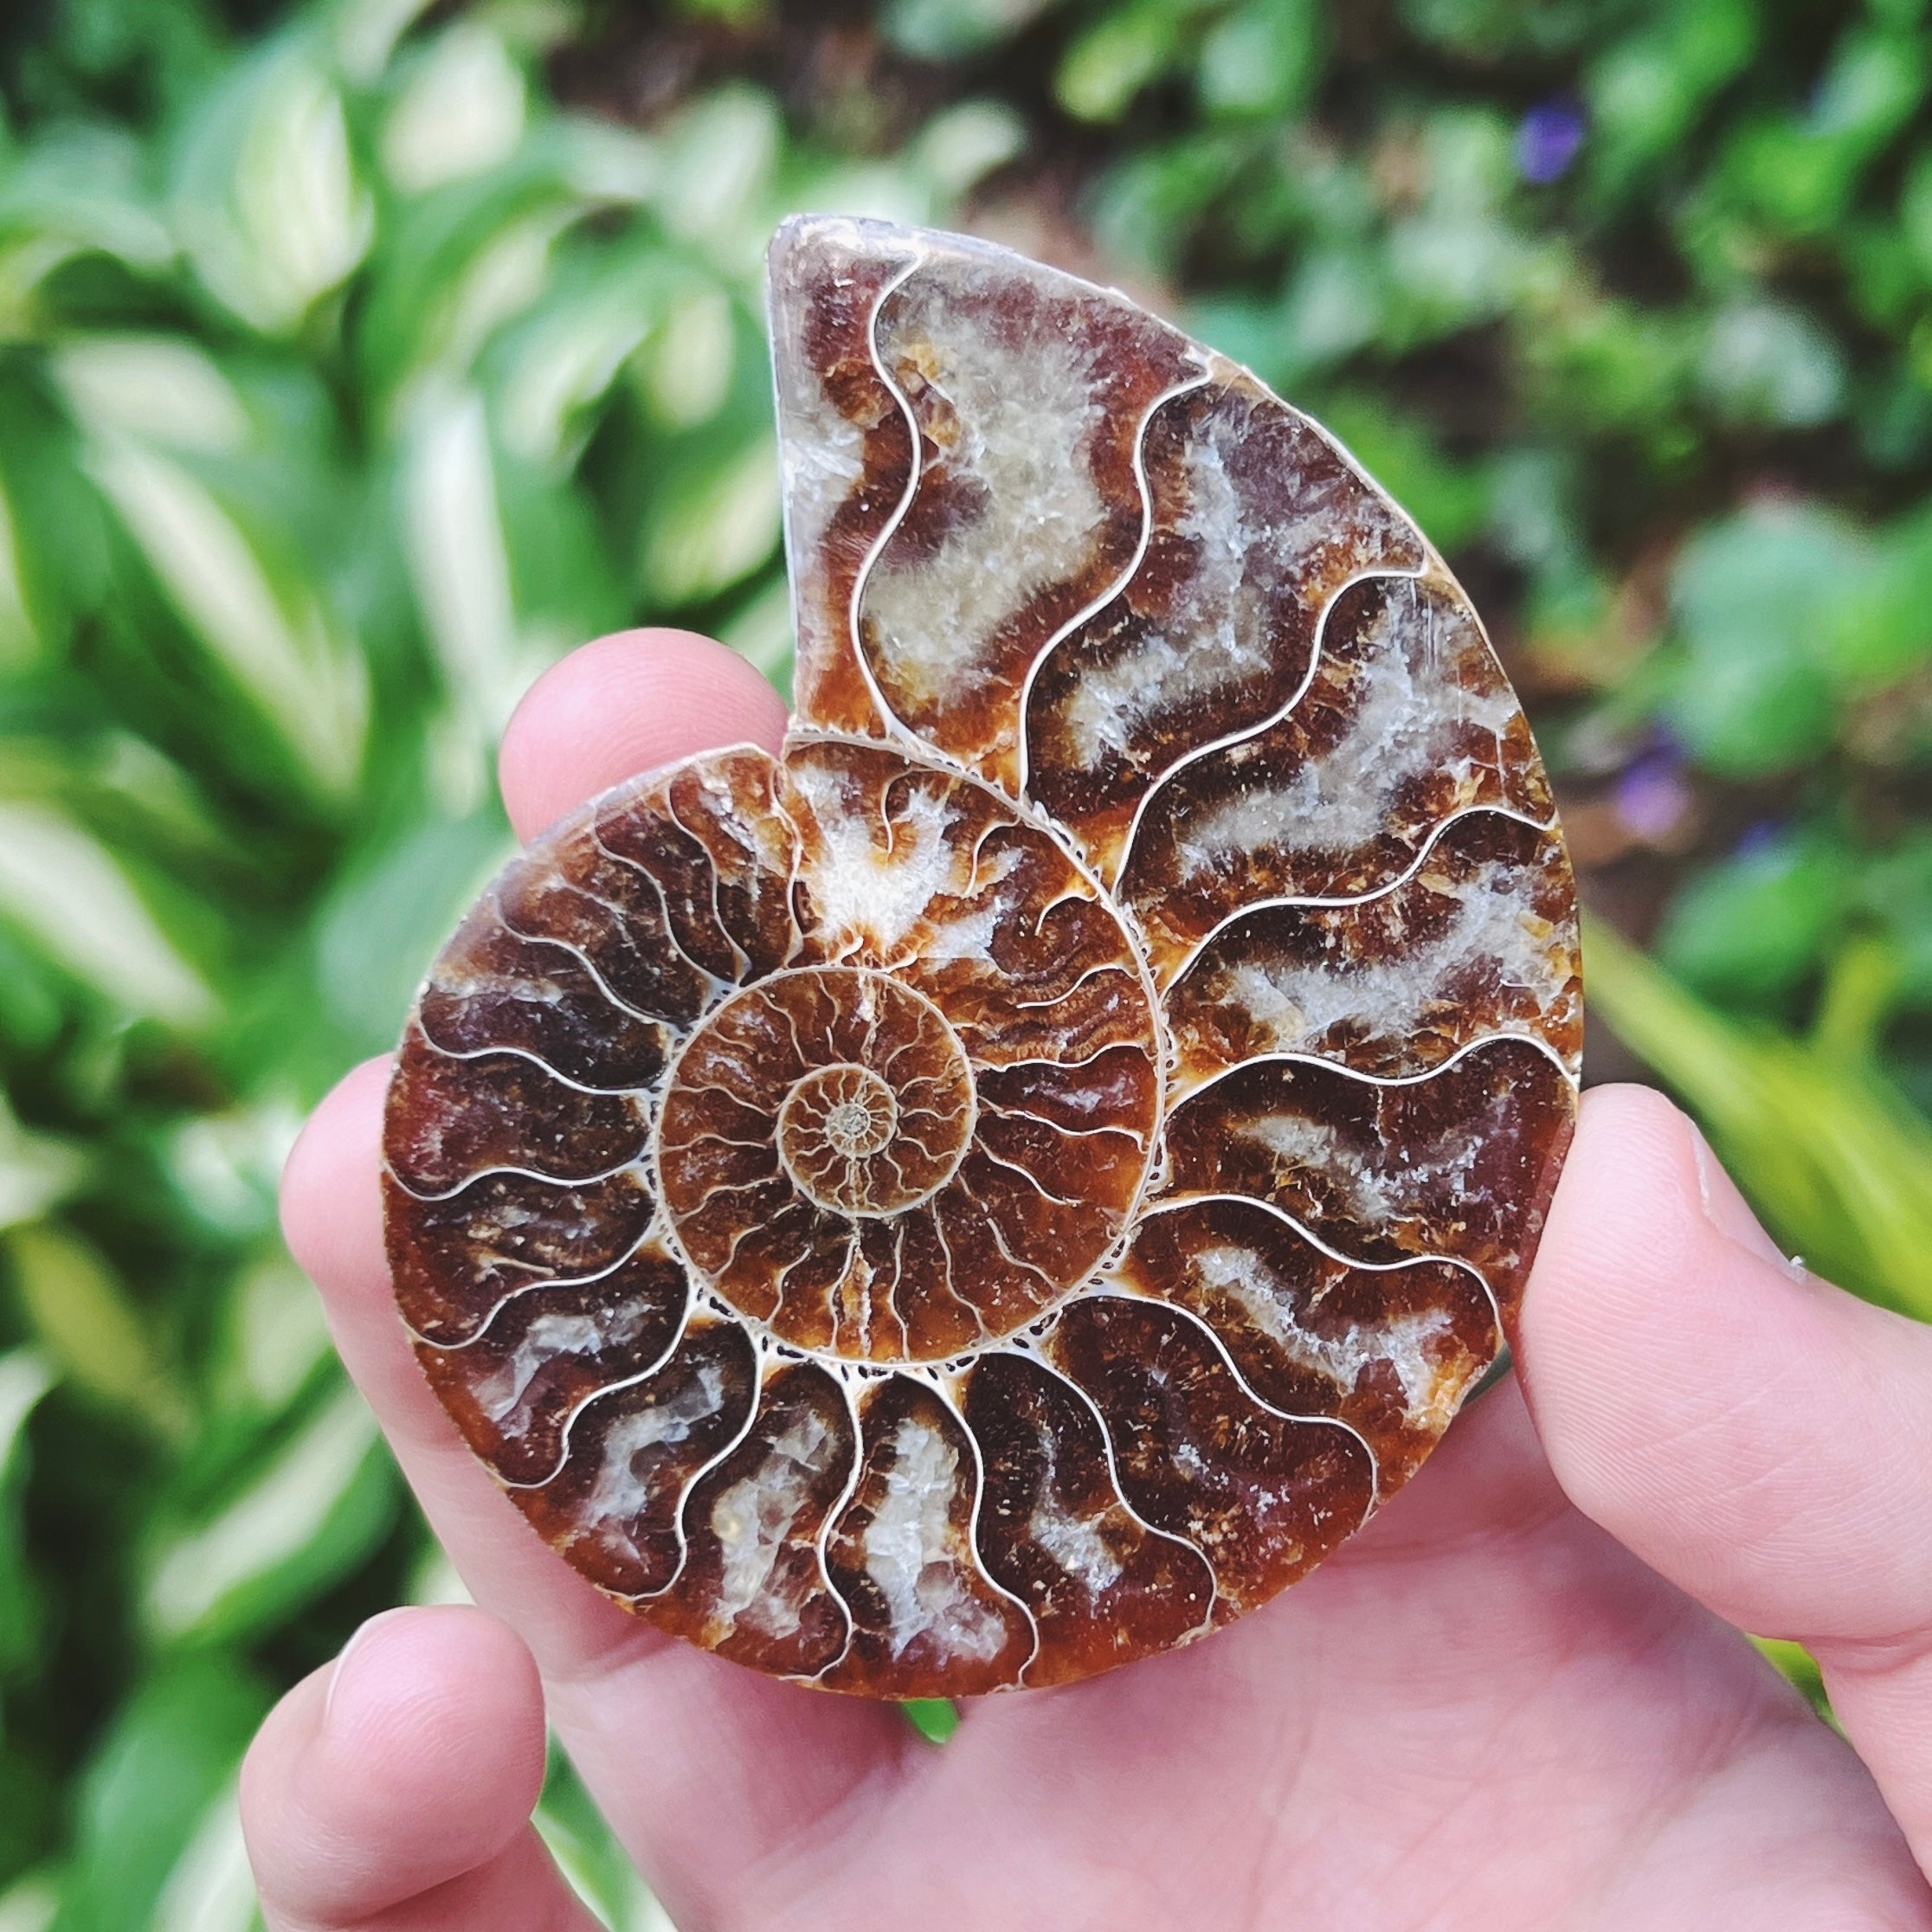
(1759, 1437)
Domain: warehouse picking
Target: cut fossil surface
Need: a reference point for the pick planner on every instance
(1005, 1186)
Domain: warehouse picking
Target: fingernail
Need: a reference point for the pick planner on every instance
(340, 1704)
(1728, 1211)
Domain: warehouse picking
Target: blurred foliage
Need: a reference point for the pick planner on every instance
(1813, 1123)
(357, 359)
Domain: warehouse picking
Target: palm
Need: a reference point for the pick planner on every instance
(1480, 1715)
(1485, 1712)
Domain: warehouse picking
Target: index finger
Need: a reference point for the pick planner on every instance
(627, 704)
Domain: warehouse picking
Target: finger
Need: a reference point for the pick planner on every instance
(703, 1768)
(1762, 1438)
(393, 1790)
(625, 704)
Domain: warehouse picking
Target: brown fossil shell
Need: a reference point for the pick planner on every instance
(1006, 1186)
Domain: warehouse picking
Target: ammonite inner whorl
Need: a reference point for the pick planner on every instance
(1007, 1185)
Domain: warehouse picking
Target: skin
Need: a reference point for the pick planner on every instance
(1519, 1698)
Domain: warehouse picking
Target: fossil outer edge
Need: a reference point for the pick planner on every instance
(1006, 1186)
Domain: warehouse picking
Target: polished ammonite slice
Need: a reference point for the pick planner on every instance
(1006, 1185)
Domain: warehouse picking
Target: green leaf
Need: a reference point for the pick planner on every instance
(1333, 305)
(411, 891)
(1884, 273)
(1797, 184)
(1755, 597)
(366, 32)
(1767, 362)
(20, 642)
(554, 367)
(33, 996)
(210, 1887)
(1648, 89)
(1147, 203)
(1895, 894)
(75, 189)
(158, 52)
(1875, 80)
(934, 1718)
(683, 371)
(1800, 175)
(37, 1171)
(90, 1330)
(1882, 627)
(30, 1904)
(265, 200)
(25, 1376)
(273, 1339)
(761, 632)
(460, 563)
(1261, 59)
(460, 114)
(963, 143)
(1458, 259)
(162, 389)
(171, 1752)
(1798, 1667)
(63, 890)
(718, 162)
(1915, 210)
(308, 1514)
(1601, 368)
(274, 636)
(947, 30)
(1108, 64)
(1750, 929)
(1486, 29)
(564, 580)
(56, 554)
(1834, 1157)
(226, 1167)
(455, 267)
(714, 526)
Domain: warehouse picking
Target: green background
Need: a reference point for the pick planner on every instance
(358, 360)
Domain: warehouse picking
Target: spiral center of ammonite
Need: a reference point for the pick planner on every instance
(836, 1136)
(811, 1129)
(858, 1127)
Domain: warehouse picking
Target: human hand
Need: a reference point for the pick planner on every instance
(1514, 1700)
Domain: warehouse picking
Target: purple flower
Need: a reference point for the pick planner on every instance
(1651, 795)
(1548, 140)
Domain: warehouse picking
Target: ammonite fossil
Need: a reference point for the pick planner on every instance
(1007, 1185)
